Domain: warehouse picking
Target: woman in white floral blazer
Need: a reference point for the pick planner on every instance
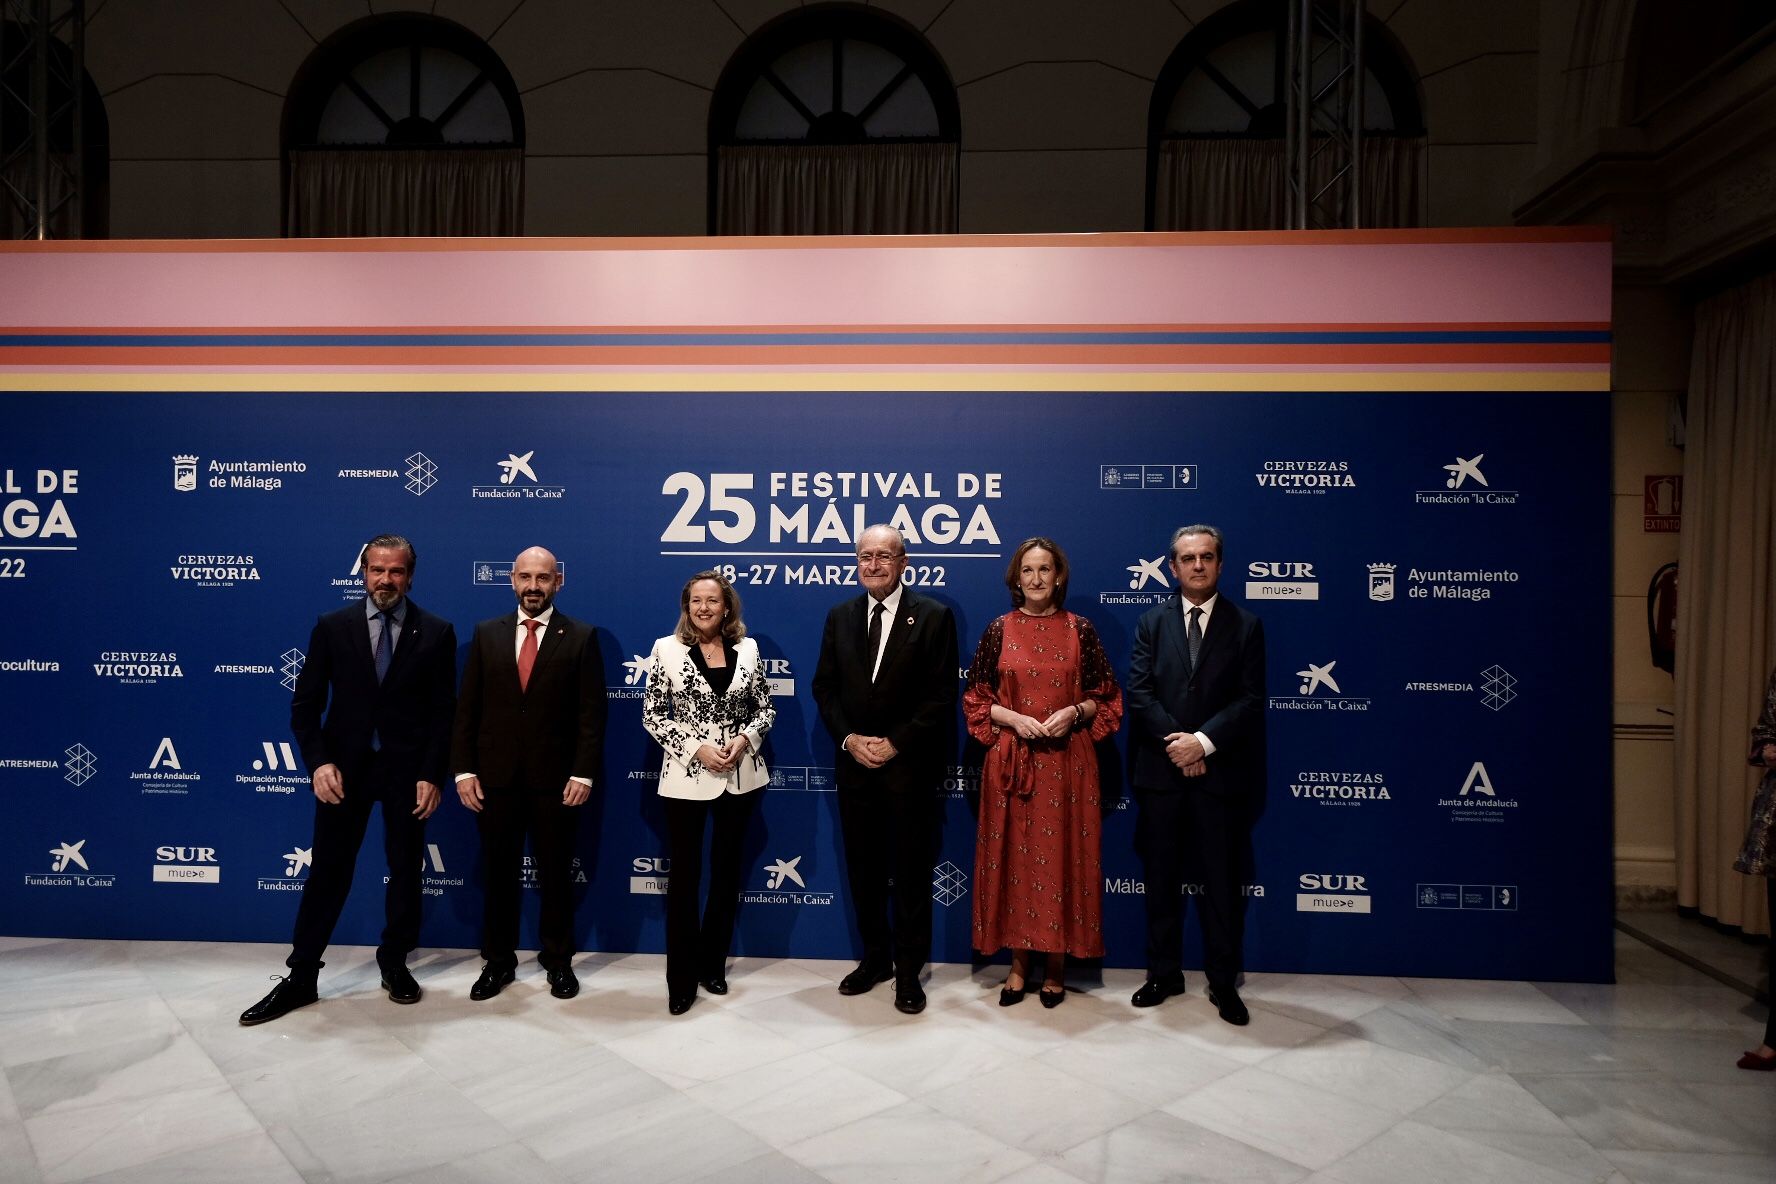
(708, 705)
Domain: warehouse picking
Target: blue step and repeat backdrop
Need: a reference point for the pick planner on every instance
(1431, 567)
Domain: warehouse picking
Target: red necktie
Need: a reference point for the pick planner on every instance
(527, 654)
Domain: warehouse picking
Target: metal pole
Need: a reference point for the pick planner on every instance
(1356, 119)
(77, 166)
(1303, 116)
(40, 120)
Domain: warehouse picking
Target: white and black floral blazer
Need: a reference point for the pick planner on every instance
(682, 712)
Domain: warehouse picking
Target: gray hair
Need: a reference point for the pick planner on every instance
(899, 541)
(1213, 532)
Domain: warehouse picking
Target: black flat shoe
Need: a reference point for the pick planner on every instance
(909, 997)
(287, 996)
(863, 979)
(1009, 996)
(493, 979)
(679, 1004)
(1052, 998)
(563, 983)
(1229, 1006)
(715, 986)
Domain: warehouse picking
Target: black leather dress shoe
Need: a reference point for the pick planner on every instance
(1228, 1005)
(287, 996)
(563, 983)
(493, 979)
(398, 982)
(909, 996)
(679, 1004)
(715, 986)
(862, 979)
(1155, 991)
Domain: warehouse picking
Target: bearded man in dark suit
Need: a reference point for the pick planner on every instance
(1195, 699)
(886, 689)
(382, 671)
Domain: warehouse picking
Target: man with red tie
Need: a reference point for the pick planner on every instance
(528, 745)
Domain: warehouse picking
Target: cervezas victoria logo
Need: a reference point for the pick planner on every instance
(138, 667)
(1308, 476)
(214, 571)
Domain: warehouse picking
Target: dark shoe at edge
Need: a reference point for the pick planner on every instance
(909, 996)
(1155, 991)
(1009, 997)
(679, 1004)
(398, 982)
(1228, 1005)
(493, 979)
(861, 980)
(717, 985)
(1052, 998)
(287, 996)
(563, 983)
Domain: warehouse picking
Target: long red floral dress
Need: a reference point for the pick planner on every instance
(1037, 874)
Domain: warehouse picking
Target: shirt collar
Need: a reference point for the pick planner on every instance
(1208, 606)
(891, 601)
(545, 617)
(399, 612)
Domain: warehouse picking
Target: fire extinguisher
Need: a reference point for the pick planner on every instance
(1662, 617)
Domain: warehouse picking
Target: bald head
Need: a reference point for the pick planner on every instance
(536, 577)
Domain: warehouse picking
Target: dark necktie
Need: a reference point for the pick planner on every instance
(527, 654)
(1193, 633)
(383, 649)
(873, 639)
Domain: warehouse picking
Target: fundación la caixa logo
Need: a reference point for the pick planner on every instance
(297, 861)
(1147, 583)
(785, 884)
(518, 481)
(69, 867)
(1465, 485)
(1318, 691)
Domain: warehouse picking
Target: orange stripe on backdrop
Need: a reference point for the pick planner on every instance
(420, 357)
(765, 330)
(1223, 238)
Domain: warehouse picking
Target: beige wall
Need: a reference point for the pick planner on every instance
(1054, 98)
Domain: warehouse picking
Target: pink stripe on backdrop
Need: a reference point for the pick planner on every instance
(1111, 284)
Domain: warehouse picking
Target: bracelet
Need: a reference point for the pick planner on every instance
(1078, 716)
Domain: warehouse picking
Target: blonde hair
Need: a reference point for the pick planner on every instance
(732, 629)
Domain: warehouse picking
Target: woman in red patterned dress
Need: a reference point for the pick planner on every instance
(1040, 692)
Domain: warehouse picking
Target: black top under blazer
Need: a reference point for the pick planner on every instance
(912, 700)
(1223, 698)
(536, 738)
(409, 712)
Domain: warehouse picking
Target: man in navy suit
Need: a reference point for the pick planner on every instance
(528, 746)
(886, 688)
(384, 672)
(1196, 701)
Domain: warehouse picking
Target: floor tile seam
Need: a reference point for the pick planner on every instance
(1576, 1132)
(142, 1102)
(685, 1089)
(791, 1152)
(1691, 961)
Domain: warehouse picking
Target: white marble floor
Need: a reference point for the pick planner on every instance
(123, 1061)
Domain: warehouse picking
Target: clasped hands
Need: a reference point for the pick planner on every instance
(872, 752)
(329, 786)
(723, 759)
(574, 793)
(1028, 727)
(1184, 750)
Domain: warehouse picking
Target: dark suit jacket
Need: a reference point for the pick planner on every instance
(409, 711)
(535, 738)
(912, 701)
(1223, 698)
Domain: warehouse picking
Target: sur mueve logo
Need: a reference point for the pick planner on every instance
(36, 515)
(64, 859)
(1332, 892)
(262, 476)
(165, 773)
(1281, 580)
(650, 875)
(186, 865)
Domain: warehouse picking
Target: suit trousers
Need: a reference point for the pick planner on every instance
(1770, 1023)
(1209, 831)
(338, 834)
(507, 815)
(890, 836)
(697, 950)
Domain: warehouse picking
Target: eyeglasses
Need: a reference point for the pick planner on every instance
(873, 558)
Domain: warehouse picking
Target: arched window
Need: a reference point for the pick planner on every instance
(1215, 131)
(403, 124)
(76, 191)
(834, 119)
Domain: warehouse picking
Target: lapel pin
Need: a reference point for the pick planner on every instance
(909, 620)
